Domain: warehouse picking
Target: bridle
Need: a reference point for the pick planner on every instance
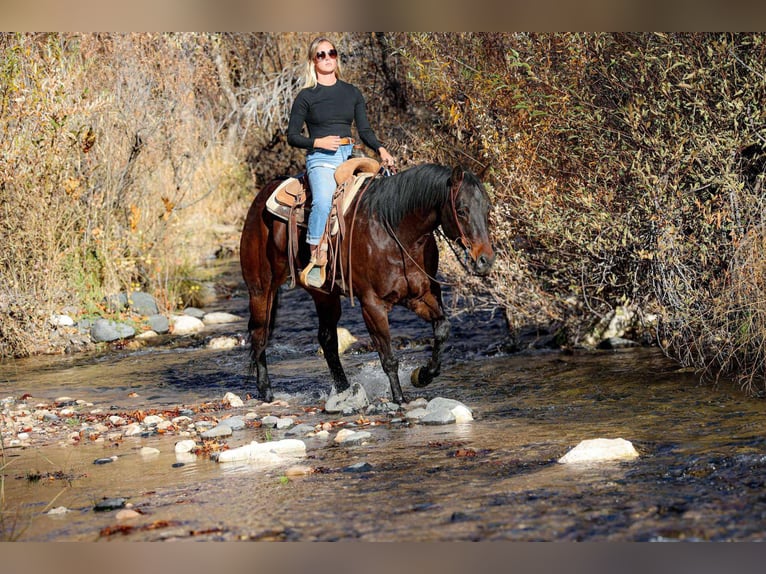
(453, 196)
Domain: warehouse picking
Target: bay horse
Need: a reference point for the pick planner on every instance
(390, 257)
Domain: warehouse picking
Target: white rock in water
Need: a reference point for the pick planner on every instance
(600, 449)
(219, 318)
(233, 400)
(354, 398)
(345, 340)
(223, 343)
(58, 510)
(148, 451)
(185, 446)
(462, 414)
(186, 324)
(273, 452)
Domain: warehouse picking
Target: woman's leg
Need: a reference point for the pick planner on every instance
(322, 182)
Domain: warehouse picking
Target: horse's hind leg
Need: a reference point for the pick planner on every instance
(262, 310)
(329, 310)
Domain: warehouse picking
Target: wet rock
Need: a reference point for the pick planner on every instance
(194, 312)
(222, 430)
(186, 324)
(267, 453)
(269, 421)
(600, 449)
(105, 460)
(158, 323)
(133, 429)
(183, 446)
(302, 429)
(148, 451)
(64, 402)
(354, 398)
(233, 400)
(223, 343)
(142, 303)
(108, 504)
(441, 411)
(348, 437)
(359, 467)
(152, 420)
(234, 423)
(219, 318)
(105, 331)
(126, 514)
(284, 423)
(437, 417)
(345, 340)
(58, 511)
(416, 414)
(298, 470)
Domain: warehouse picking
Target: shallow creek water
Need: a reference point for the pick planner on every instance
(700, 475)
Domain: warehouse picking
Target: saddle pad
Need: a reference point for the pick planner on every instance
(289, 193)
(291, 190)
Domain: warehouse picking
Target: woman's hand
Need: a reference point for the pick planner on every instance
(386, 158)
(331, 143)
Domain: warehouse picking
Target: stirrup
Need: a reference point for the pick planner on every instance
(310, 279)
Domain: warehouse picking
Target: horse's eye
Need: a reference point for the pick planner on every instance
(462, 212)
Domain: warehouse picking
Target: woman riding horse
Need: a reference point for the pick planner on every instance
(390, 258)
(328, 106)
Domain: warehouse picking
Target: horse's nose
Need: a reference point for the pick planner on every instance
(484, 264)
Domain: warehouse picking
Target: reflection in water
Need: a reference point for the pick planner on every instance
(700, 474)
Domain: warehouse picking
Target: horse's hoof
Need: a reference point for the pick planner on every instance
(419, 381)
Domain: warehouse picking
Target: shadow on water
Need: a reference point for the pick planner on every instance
(700, 474)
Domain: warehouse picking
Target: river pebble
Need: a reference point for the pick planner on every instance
(152, 420)
(600, 449)
(126, 514)
(267, 453)
(219, 431)
(235, 423)
(186, 324)
(218, 318)
(269, 421)
(302, 429)
(348, 437)
(284, 423)
(110, 504)
(352, 399)
(363, 466)
(185, 446)
(148, 451)
(58, 511)
(233, 400)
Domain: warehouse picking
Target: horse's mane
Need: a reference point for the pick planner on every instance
(421, 187)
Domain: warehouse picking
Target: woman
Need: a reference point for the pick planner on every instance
(327, 106)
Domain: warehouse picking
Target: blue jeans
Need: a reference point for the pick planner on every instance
(320, 167)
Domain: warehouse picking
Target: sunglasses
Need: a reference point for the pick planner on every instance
(331, 54)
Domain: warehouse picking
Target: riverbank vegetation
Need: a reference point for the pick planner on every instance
(626, 170)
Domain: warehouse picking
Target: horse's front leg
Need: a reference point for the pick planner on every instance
(329, 311)
(430, 309)
(375, 316)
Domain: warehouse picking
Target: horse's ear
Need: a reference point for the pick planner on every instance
(456, 180)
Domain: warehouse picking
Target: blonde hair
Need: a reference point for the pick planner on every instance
(309, 73)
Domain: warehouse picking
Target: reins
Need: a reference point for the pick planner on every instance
(381, 171)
